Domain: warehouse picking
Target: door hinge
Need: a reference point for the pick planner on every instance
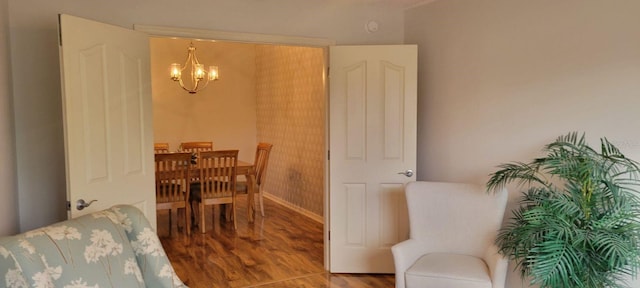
(328, 154)
(68, 205)
(329, 235)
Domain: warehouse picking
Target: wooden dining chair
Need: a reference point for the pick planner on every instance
(217, 171)
(161, 147)
(172, 185)
(195, 147)
(260, 165)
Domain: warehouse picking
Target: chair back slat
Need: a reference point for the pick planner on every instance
(161, 147)
(262, 159)
(218, 170)
(195, 147)
(172, 174)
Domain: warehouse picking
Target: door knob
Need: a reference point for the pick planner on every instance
(81, 204)
(407, 173)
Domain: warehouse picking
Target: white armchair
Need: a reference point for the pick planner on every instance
(452, 231)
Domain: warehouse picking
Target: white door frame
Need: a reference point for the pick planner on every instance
(164, 31)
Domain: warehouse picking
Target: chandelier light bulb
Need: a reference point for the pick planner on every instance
(213, 73)
(175, 71)
(198, 72)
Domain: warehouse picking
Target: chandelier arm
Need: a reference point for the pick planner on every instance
(195, 58)
(206, 82)
(182, 86)
(195, 87)
(187, 61)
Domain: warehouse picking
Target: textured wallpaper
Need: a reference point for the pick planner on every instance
(291, 115)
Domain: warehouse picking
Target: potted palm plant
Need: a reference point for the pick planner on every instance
(578, 222)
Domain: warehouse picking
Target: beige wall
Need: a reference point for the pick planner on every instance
(291, 116)
(224, 112)
(8, 187)
(500, 78)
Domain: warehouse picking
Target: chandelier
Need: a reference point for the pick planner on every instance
(199, 77)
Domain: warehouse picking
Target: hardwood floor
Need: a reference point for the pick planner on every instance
(283, 249)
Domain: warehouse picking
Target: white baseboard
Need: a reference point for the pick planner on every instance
(305, 212)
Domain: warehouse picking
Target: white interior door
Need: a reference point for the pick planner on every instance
(373, 97)
(107, 116)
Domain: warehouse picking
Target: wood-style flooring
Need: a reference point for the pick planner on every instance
(283, 249)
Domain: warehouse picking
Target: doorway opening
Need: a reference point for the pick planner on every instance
(267, 92)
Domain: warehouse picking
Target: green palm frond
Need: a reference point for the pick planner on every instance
(523, 173)
(553, 261)
(584, 232)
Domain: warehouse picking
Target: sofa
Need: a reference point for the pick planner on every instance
(115, 247)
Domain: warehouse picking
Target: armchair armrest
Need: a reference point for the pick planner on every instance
(497, 264)
(405, 254)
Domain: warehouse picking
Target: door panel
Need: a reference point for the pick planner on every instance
(107, 116)
(373, 97)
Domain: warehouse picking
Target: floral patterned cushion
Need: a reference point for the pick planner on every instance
(102, 249)
(152, 259)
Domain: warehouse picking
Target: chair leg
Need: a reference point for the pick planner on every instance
(261, 202)
(187, 218)
(202, 223)
(179, 220)
(170, 224)
(233, 216)
(195, 215)
(169, 219)
(228, 215)
(173, 220)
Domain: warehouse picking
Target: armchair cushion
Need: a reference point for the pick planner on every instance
(431, 269)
